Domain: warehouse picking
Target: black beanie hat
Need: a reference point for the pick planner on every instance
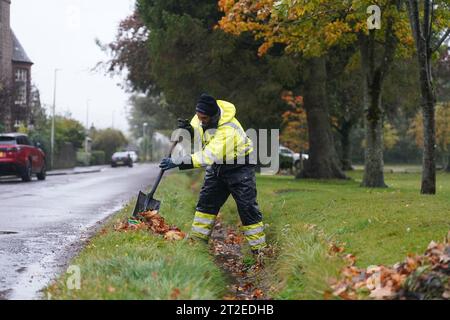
(207, 105)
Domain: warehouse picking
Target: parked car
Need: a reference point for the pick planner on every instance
(133, 155)
(121, 159)
(18, 156)
(286, 158)
(290, 159)
(297, 161)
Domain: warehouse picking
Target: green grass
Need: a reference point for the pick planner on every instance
(379, 226)
(139, 265)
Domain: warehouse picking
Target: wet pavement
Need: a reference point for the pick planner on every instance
(44, 223)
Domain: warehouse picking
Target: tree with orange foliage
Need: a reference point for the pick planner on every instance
(311, 28)
(270, 22)
(294, 133)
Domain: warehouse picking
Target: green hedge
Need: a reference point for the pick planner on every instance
(98, 157)
(83, 158)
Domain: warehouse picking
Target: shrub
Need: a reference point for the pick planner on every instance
(97, 157)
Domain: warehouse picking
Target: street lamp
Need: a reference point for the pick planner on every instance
(87, 114)
(86, 139)
(145, 140)
(52, 142)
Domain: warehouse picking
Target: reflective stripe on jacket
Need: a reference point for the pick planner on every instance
(224, 144)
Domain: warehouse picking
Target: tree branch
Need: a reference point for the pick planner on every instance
(413, 9)
(441, 41)
(391, 42)
(427, 22)
(430, 32)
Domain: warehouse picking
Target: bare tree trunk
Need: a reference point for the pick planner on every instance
(376, 62)
(372, 86)
(428, 110)
(374, 162)
(422, 36)
(323, 162)
(429, 139)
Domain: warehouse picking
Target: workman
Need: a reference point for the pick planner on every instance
(225, 152)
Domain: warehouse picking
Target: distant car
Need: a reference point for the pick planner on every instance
(290, 159)
(18, 156)
(121, 159)
(286, 158)
(297, 161)
(133, 155)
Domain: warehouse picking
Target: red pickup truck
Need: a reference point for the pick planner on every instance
(19, 157)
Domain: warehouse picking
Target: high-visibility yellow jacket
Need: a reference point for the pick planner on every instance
(222, 145)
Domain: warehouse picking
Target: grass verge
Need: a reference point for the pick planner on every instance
(140, 265)
(379, 226)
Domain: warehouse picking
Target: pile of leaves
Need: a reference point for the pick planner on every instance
(153, 222)
(421, 277)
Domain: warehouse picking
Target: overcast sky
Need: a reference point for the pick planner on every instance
(61, 34)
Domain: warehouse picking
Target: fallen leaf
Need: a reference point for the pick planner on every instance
(174, 235)
(381, 293)
(339, 290)
(373, 281)
(327, 295)
(351, 259)
(335, 249)
(175, 294)
(257, 293)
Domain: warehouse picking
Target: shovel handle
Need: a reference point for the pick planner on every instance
(161, 172)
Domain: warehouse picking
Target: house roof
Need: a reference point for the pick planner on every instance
(19, 54)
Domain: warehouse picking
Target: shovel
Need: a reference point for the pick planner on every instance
(145, 202)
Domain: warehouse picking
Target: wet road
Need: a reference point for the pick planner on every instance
(43, 223)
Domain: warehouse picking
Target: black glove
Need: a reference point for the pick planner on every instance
(167, 164)
(185, 124)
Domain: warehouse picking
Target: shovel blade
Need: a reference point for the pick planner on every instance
(143, 204)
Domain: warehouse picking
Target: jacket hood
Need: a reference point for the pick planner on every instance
(227, 114)
(228, 111)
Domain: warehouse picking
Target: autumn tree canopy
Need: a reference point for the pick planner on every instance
(172, 47)
(308, 27)
(312, 28)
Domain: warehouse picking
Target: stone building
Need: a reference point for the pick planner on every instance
(15, 75)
